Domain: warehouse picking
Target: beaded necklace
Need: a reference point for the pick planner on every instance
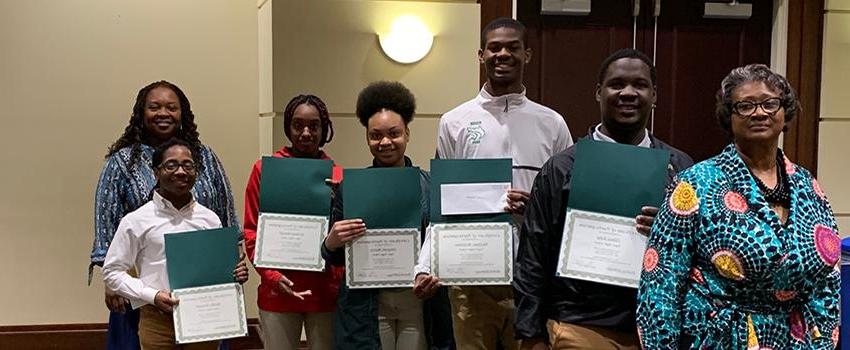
(779, 194)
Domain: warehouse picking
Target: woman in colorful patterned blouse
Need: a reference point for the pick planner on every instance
(161, 112)
(743, 252)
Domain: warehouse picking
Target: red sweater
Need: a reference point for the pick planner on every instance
(324, 285)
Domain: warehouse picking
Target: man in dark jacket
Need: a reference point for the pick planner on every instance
(565, 313)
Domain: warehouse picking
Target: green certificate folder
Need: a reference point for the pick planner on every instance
(610, 183)
(617, 179)
(201, 258)
(383, 197)
(295, 186)
(464, 171)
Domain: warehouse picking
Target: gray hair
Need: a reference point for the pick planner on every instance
(750, 73)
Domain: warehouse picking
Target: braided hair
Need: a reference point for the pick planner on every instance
(136, 134)
(324, 116)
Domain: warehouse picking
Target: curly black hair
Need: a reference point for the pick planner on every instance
(750, 73)
(136, 134)
(324, 116)
(385, 95)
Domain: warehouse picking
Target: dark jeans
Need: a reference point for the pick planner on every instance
(438, 321)
(123, 331)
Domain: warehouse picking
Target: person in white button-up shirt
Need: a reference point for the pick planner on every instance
(139, 243)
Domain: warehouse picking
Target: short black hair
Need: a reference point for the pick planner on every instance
(503, 22)
(747, 74)
(626, 53)
(159, 152)
(324, 116)
(389, 95)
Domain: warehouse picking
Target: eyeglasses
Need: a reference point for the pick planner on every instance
(747, 108)
(171, 166)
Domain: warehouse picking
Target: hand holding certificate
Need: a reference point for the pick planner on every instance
(294, 208)
(388, 200)
(209, 313)
(200, 266)
(472, 253)
(471, 235)
(609, 185)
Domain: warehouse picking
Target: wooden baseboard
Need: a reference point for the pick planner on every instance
(90, 336)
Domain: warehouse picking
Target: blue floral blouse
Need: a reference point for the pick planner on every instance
(722, 272)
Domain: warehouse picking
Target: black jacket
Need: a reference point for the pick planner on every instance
(539, 295)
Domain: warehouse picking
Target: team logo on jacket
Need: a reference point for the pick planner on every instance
(474, 132)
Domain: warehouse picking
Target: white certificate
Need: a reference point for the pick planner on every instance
(382, 258)
(287, 241)
(473, 198)
(601, 248)
(472, 254)
(209, 313)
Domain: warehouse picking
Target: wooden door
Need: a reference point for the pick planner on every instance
(693, 55)
(567, 51)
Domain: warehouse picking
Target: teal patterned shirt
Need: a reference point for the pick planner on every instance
(722, 272)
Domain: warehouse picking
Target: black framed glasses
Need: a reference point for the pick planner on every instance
(748, 108)
(171, 166)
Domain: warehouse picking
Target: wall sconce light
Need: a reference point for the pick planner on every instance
(408, 41)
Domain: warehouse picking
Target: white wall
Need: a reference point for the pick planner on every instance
(70, 70)
(833, 162)
(342, 55)
(69, 74)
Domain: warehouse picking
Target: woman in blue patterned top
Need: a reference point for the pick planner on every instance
(744, 252)
(161, 112)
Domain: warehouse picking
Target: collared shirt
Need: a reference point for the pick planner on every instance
(599, 136)
(140, 242)
(125, 185)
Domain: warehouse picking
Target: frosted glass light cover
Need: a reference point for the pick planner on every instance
(408, 41)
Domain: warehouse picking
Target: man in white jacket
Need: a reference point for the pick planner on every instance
(501, 122)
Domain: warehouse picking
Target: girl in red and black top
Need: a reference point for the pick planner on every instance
(291, 299)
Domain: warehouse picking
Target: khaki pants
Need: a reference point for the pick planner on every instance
(282, 330)
(482, 317)
(567, 336)
(156, 332)
(400, 320)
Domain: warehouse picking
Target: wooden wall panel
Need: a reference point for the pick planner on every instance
(490, 10)
(693, 55)
(805, 50)
(90, 336)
